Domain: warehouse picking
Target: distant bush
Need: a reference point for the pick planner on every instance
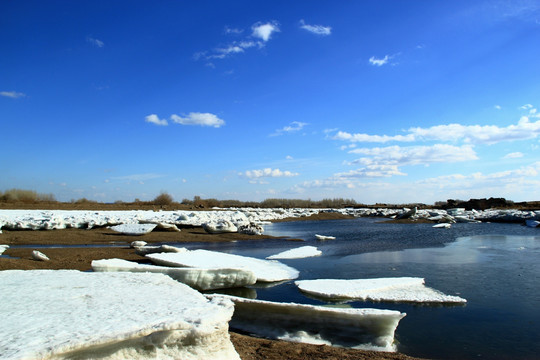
(25, 196)
(163, 199)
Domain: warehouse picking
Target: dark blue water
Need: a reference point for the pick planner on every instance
(496, 267)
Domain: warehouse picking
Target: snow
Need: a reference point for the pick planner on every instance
(3, 248)
(298, 253)
(219, 227)
(264, 270)
(70, 314)
(200, 279)
(403, 289)
(133, 229)
(370, 329)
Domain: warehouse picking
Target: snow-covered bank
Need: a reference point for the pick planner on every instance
(70, 314)
(370, 329)
(238, 217)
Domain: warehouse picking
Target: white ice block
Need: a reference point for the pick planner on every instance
(61, 314)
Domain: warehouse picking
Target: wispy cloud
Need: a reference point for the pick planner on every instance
(95, 42)
(201, 119)
(379, 62)
(513, 155)
(193, 118)
(264, 31)
(154, 119)
(261, 33)
(267, 173)
(12, 94)
(138, 177)
(316, 29)
(292, 127)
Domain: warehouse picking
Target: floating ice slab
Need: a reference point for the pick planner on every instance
(70, 314)
(371, 329)
(298, 253)
(133, 229)
(3, 248)
(324, 237)
(442, 226)
(200, 279)
(264, 270)
(151, 249)
(532, 223)
(403, 289)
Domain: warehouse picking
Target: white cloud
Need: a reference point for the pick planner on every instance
(415, 155)
(498, 107)
(293, 127)
(267, 172)
(513, 155)
(264, 31)
(372, 171)
(12, 94)
(236, 31)
(154, 119)
(201, 119)
(316, 29)
(342, 135)
(379, 62)
(474, 134)
(95, 42)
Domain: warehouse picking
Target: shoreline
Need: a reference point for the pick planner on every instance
(101, 243)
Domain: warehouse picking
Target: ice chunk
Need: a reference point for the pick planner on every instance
(3, 248)
(442, 226)
(200, 279)
(264, 270)
(532, 223)
(403, 289)
(371, 329)
(37, 255)
(133, 229)
(298, 253)
(219, 227)
(63, 314)
(151, 249)
(324, 237)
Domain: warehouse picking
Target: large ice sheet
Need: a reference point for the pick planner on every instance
(298, 253)
(133, 229)
(264, 270)
(65, 314)
(403, 289)
(198, 278)
(371, 329)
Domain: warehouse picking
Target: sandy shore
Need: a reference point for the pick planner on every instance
(96, 244)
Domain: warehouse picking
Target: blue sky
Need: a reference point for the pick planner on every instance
(379, 101)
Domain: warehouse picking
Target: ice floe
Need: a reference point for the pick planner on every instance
(401, 289)
(3, 248)
(70, 314)
(133, 229)
(442, 226)
(298, 253)
(197, 278)
(39, 256)
(324, 237)
(532, 223)
(264, 270)
(152, 249)
(371, 329)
